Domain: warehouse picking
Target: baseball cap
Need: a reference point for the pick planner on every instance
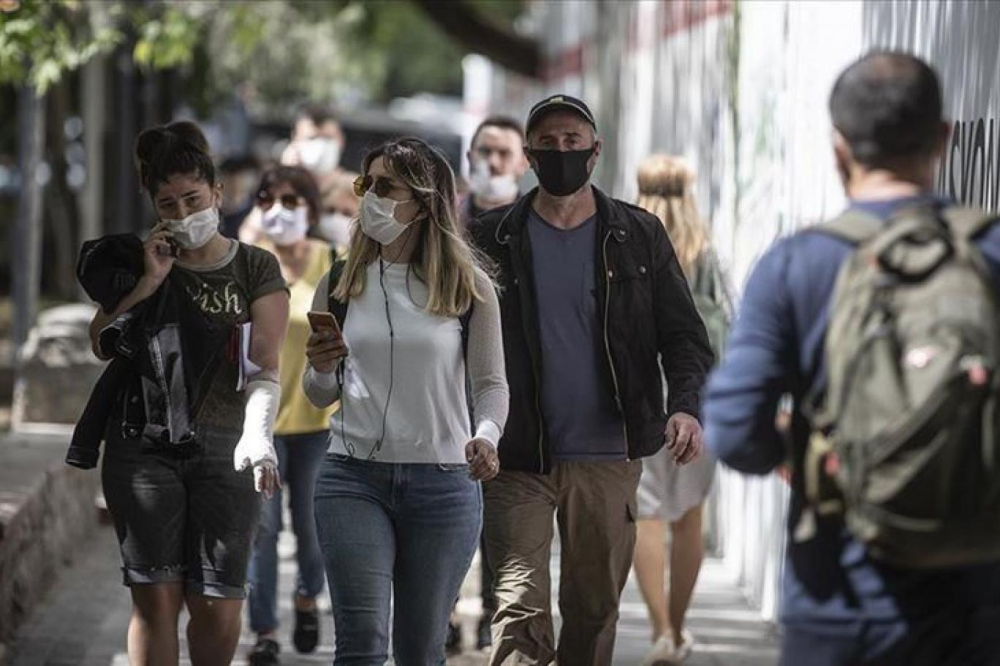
(557, 102)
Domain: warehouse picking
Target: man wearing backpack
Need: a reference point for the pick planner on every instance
(882, 327)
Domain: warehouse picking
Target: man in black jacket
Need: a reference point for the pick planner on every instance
(593, 300)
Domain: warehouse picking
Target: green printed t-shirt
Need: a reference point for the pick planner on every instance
(224, 292)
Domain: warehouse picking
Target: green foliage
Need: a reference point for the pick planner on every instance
(41, 40)
(280, 51)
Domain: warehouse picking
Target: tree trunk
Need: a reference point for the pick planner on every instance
(27, 264)
(60, 202)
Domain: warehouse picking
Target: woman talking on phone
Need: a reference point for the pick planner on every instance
(398, 503)
(185, 516)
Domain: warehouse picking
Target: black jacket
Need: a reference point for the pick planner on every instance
(647, 314)
(164, 354)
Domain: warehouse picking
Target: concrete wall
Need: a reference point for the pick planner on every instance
(740, 89)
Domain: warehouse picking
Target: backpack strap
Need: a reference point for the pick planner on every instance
(853, 226)
(966, 222)
(338, 308)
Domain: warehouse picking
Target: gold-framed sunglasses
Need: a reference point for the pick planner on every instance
(380, 186)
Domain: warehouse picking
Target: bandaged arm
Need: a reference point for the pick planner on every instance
(269, 315)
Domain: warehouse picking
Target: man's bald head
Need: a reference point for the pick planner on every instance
(887, 106)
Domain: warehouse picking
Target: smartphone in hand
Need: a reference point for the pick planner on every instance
(324, 321)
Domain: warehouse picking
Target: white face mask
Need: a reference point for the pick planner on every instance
(195, 230)
(335, 228)
(500, 189)
(321, 155)
(284, 226)
(378, 220)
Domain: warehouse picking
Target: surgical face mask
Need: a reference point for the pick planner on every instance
(378, 220)
(561, 173)
(335, 228)
(195, 230)
(284, 226)
(500, 189)
(321, 154)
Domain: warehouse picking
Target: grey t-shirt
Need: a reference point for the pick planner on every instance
(582, 421)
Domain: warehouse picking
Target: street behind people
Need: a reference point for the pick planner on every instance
(592, 297)
(182, 471)
(668, 492)
(398, 503)
(289, 204)
(893, 554)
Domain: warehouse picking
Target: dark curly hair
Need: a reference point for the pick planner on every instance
(168, 150)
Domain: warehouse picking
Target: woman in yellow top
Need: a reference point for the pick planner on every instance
(289, 207)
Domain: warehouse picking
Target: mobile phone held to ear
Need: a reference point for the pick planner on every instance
(323, 321)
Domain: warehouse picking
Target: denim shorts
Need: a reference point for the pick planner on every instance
(187, 519)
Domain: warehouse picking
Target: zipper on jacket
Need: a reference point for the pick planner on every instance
(607, 341)
(161, 378)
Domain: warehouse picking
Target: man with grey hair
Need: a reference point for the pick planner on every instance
(593, 300)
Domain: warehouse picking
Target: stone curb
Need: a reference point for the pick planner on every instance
(46, 511)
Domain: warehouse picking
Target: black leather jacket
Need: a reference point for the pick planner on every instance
(648, 316)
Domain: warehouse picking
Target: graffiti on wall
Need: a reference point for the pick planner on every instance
(970, 171)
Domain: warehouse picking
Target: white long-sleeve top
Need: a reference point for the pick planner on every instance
(427, 416)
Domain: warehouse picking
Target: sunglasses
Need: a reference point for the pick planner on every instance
(290, 201)
(380, 186)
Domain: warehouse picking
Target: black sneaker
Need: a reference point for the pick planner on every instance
(453, 642)
(264, 653)
(306, 634)
(484, 637)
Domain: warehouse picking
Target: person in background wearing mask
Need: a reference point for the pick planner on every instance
(340, 207)
(317, 142)
(593, 299)
(496, 164)
(288, 202)
(316, 145)
(398, 503)
(185, 522)
(239, 176)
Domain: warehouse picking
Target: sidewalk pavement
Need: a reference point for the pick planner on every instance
(83, 619)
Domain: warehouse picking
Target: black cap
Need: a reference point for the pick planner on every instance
(556, 103)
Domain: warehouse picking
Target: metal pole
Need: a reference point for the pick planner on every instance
(27, 263)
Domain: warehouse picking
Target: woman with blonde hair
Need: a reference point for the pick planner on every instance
(398, 503)
(668, 492)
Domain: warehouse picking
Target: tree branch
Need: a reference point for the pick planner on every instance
(470, 29)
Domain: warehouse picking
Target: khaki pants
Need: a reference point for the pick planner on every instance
(594, 506)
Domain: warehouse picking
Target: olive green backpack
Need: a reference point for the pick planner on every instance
(904, 440)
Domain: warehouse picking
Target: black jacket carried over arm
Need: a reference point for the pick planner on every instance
(647, 315)
(164, 354)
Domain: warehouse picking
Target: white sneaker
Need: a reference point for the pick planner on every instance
(683, 651)
(662, 652)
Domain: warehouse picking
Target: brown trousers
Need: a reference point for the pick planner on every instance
(594, 506)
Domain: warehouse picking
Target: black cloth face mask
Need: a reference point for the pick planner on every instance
(562, 172)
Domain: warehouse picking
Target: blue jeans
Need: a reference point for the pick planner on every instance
(299, 459)
(406, 531)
